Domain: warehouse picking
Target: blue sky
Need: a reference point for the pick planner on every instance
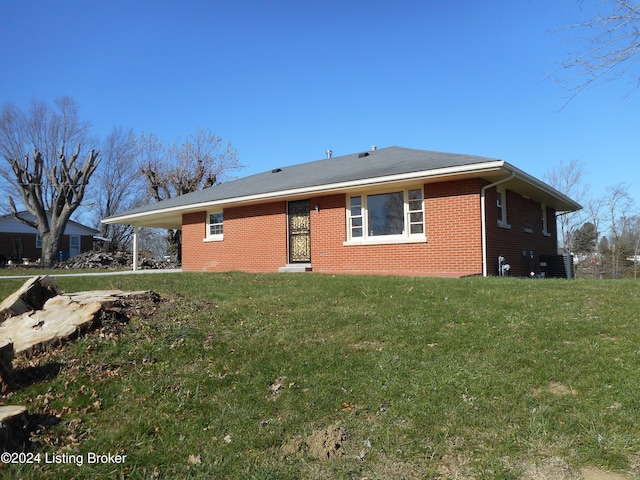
(284, 81)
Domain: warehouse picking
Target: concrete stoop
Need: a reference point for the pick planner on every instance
(296, 268)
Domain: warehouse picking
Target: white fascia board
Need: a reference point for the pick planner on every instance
(548, 189)
(327, 188)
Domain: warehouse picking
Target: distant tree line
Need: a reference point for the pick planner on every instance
(56, 169)
(605, 235)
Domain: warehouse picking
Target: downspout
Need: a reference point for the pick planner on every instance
(483, 207)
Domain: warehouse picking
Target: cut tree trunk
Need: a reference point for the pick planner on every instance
(61, 317)
(48, 317)
(14, 427)
(31, 296)
(6, 366)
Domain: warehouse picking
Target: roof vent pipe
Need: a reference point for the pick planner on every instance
(373, 148)
(329, 153)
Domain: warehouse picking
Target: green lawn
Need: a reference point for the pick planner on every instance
(239, 376)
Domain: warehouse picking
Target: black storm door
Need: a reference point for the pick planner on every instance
(299, 232)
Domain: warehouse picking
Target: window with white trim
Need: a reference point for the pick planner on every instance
(501, 203)
(545, 224)
(215, 226)
(38, 241)
(397, 215)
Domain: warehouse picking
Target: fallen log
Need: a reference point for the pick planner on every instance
(33, 294)
(56, 319)
(60, 318)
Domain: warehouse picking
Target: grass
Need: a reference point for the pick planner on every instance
(235, 376)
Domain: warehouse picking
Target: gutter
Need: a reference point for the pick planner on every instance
(306, 190)
(483, 209)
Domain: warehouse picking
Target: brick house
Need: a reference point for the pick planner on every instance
(19, 241)
(384, 211)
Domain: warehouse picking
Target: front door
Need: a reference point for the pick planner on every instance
(299, 232)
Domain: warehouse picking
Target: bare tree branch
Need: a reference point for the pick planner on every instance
(612, 48)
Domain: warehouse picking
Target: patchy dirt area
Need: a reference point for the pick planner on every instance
(324, 444)
(556, 388)
(327, 444)
(554, 468)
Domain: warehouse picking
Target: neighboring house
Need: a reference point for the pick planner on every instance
(384, 211)
(19, 241)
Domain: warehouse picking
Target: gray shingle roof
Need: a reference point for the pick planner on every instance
(342, 173)
(348, 168)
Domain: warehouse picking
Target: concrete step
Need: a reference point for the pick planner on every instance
(295, 268)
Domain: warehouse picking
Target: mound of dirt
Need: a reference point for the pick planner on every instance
(326, 444)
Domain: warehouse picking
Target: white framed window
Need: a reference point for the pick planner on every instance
(545, 221)
(215, 226)
(38, 241)
(501, 204)
(386, 217)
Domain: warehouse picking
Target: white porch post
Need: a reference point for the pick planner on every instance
(135, 248)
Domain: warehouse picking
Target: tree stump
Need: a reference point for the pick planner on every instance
(33, 294)
(14, 427)
(39, 314)
(6, 366)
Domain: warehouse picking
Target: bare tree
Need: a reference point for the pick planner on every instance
(613, 46)
(117, 185)
(594, 209)
(200, 161)
(631, 239)
(567, 179)
(619, 210)
(49, 184)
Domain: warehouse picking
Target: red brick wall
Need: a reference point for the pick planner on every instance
(29, 249)
(452, 218)
(525, 218)
(255, 237)
(255, 240)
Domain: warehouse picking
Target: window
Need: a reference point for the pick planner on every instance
(38, 241)
(356, 224)
(74, 245)
(501, 203)
(545, 225)
(388, 216)
(215, 226)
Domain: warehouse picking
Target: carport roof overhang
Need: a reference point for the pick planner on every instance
(168, 214)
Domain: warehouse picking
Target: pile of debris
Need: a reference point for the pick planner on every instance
(40, 315)
(113, 260)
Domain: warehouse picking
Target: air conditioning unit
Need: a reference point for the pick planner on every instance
(557, 266)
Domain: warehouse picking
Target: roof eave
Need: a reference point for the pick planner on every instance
(559, 201)
(151, 218)
(172, 217)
